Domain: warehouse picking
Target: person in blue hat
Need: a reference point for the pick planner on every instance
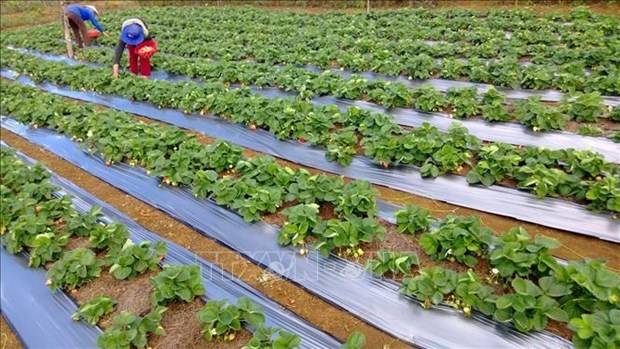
(76, 16)
(135, 37)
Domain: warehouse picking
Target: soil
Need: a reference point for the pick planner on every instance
(183, 329)
(76, 242)
(180, 319)
(8, 339)
(325, 316)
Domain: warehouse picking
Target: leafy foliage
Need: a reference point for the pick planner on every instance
(393, 262)
(74, 268)
(413, 219)
(92, 310)
(222, 319)
(181, 282)
(129, 330)
(461, 239)
(133, 259)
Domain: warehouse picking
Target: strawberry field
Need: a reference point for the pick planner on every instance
(294, 180)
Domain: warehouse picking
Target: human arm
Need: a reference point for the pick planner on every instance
(118, 53)
(93, 19)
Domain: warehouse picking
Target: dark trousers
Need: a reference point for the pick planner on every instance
(79, 29)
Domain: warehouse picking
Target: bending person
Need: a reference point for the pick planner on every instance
(77, 15)
(135, 36)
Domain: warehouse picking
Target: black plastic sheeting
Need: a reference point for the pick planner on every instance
(453, 189)
(347, 285)
(40, 318)
(512, 133)
(218, 283)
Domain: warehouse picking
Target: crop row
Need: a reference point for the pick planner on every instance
(526, 284)
(367, 55)
(585, 175)
(35, 220)
(389, 30)
(458, 102)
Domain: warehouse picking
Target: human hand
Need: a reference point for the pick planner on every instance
(115, 71)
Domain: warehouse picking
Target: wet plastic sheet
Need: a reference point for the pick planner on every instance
(218, 283)
(375, 301)
(39, 317)
(499, 132)
(555, 213)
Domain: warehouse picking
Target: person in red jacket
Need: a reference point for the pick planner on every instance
(135, 37)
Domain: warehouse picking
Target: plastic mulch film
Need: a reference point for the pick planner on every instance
(443, 85)
(506, 132)
(374, 300)
(512, 133)
(218, 283)
(39, 317)
(453, 189)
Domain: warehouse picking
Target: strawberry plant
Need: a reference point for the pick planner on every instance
(604, 194)
(540, 117)
(129, 330)
(530, 307)
(413, 219)
(74, 268)
(461, 239)
(471, 294)
(584, 163)
(346, 235)
(223, 155)
(393, 262)
(596, 286)
(615, 113)
(301, 220)
(515, 255)
(309, 188)
(495, 161)
(46, 247)
(181, 282)
(272, 337)
(112, 237)
(357, 198)
(94, 309)
(341, 146)
(22, 230)
(221, 320)
(431, 285)
(542, 180)
(83, 224)
(266, 171)
(493, 108)
(427, 98)
(464, 101)
(590, 130)
(133, 259)
(583, 106)
(598, 330)
(390, 95)
(356, 340)
(420, 66)
(203, 183)
(257, 201)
